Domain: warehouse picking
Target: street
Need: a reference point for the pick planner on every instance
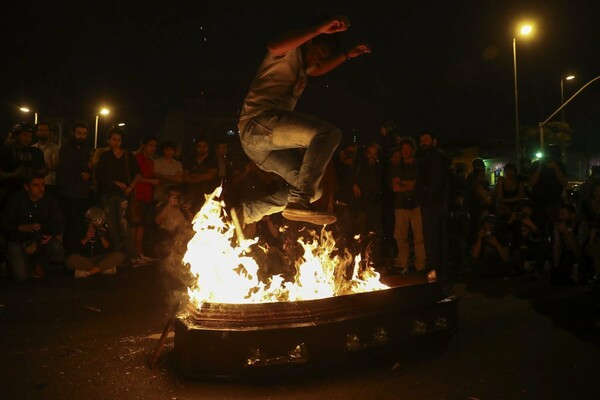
(523, 338)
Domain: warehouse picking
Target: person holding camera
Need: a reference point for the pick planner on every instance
(94, 254)
(33, 224)
(527, 247)
(490, 252)
(407, 210)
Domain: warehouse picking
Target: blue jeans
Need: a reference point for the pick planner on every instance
(118, 227)
(273, 141)
(21, 264)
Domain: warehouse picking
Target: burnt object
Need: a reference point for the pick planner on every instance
(274, 339)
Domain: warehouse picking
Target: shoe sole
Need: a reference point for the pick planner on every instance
(313, 217)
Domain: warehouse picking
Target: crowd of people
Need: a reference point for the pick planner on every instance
(402, 203)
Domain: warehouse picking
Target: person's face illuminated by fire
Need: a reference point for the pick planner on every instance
(427, 142)
(372, 154)
(35, 189)
(202, 149)
(80, 135)
(407, 151)
(114, 141)
(150, 148)
(396, 157)
(168, 153)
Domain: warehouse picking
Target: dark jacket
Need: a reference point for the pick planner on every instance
(73, 160)
(20, 210)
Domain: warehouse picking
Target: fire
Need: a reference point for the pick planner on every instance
(226, 273)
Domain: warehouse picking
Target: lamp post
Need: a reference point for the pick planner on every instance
(541, 124)
(103, 111)
(26, 110)
(524, 31)
(562, 95)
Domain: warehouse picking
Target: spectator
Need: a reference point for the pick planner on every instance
(432, 189)
(548, 180)
(590, 214)
(459, 221)
(94, 254)
(368, 191)
(117, 173)
(174, 224)
(73, 178)
(34, 225)
(144, 195)
(18, 160)
(490, 251)
(528, 249)
(224, 166)
(477, 200)
(200, 174)
(345, 202)
(407, 210)
(569, 239)
(167, 169)
(43, 134)
(509, 191)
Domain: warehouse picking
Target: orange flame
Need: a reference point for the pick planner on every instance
(227, 274)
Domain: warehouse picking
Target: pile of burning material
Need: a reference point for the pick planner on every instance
(334, 308)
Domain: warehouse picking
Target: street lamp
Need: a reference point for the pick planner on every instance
(524, 30)
(103, 111)
(26, 110)
(562, 95)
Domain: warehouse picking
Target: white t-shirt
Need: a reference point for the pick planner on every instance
(278, 84)
(170, 167)
(50, 151)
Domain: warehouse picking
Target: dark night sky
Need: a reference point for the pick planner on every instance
(442, 65)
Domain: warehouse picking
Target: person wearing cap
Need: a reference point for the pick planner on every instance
(18, 160)
(94, 254)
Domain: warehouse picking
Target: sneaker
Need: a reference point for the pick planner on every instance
(110, 271)
(81, 273)
(237, 217)
(304, 213)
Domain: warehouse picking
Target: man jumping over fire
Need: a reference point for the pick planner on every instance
(273, 134)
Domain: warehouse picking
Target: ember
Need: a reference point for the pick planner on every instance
(226, 273)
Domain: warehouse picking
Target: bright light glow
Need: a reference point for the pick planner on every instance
(525, 29)
(104, 111)
(24, 109)
(570, 77)
(227, 274)
(539, 154)
(121, 124)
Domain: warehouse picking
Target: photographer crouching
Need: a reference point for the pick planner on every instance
(94, 254)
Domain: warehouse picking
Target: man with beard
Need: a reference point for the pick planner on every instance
(432, 192)
(200, 174)
(43, 134)
(73, 176)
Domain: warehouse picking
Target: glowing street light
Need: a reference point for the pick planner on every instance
(562, 94)
(26, 110)
(524, 30)
(103, 111)
(121, 124)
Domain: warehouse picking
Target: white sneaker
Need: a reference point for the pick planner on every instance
(81, 273)
(110, 271)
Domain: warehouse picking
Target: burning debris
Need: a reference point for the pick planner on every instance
(226, 269)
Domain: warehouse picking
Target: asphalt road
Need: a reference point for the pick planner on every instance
(62, 338)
